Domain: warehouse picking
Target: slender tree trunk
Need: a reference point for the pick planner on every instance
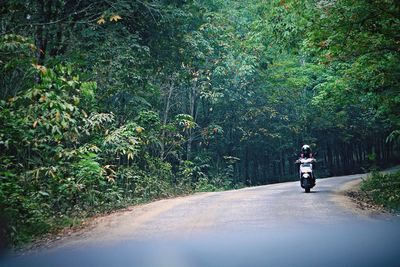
(165, 118)
(330, 159)
(246, 166)
(192, 109)
(40, 40)
(281, 164)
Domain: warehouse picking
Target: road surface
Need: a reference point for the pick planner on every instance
(272, 225)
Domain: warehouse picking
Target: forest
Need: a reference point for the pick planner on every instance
(105, 103)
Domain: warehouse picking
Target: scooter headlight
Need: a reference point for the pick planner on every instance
(306, 175)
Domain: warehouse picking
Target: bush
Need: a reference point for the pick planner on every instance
(383, 189)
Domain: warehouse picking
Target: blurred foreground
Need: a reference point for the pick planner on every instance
(374, 243)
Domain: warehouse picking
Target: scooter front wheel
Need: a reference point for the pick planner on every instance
(307, 190)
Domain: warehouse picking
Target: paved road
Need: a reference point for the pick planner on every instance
(273, 225)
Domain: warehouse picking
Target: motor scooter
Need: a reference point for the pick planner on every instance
(307, 177)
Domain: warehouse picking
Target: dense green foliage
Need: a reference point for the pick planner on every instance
(383, 189)
(106, 103)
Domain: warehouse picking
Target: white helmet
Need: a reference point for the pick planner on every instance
(306, 151)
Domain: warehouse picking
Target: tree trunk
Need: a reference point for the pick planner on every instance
(192, 109)
(165, 119)
(40, 40)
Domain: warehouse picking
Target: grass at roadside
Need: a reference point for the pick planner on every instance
(383, 189)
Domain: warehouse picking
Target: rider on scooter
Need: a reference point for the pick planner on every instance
(305, 154)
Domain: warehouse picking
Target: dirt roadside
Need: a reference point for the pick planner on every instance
(105, 227)
(351, 197)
